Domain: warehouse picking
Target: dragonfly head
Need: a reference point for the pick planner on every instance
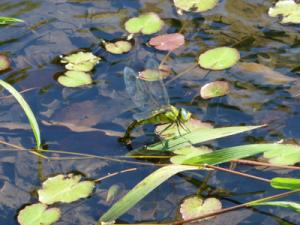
(184, 115)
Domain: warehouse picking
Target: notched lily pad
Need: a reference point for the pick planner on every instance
(195, 5)
(65, 189)
(195, 206)
(4, 62)
(148, 23)
(118, 47)
(38, 214)
(75, 79)
(167, 42)
(214, 89)
(289, 9)
(219, 58)
(80, 61)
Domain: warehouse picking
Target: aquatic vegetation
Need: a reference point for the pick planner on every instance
(167, 42)
(75, 79)
(195, 5)
(118, 47)
(289, 9)
(288, 156)
(214, 89)
(4, 62)
(9, 20)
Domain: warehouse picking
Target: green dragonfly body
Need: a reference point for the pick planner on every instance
(152, 99)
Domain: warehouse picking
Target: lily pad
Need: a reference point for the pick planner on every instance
(195, 206)
(38, 214)
(75, 79)
(289, 10)
(287, 155)
(219, 58)
(214, 89)
(195, 5)
(65, 189)
(80, 61)
(148, 23)
(4, 62)
(167, 42)
(118, 47)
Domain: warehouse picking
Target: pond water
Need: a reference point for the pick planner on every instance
(91, 119)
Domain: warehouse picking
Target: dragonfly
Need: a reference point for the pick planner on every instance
(152, 98)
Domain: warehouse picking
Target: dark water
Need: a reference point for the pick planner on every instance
(89, 119)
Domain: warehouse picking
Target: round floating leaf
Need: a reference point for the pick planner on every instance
(219, 58)
(289, 10)
(80, 61)
(75, 79)
(148, 23)
(38, 214)
(214, 89)
(118, 47)
(195, 5)
(64, 189)
(195, 207)
(167, 42)
(4, 62)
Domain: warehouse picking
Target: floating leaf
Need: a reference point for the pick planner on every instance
(148, 23)
(166, 131)
(64, 189)
(4, 62)
(289, 10)
(195, 206)
(75, 79)
(38, 214)
(285, 204)
(112, 192)
(219, 58)
(285, 183)
(214, 89)
(188, 152)
(286, 155)
(8, 20)
(118, 47)
(167, 42)
(80, 61)
(195, 5)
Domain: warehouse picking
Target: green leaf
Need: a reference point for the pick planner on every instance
(228, 154)
(214, 89)
(4, 62)
(142, 189)
(112, 192)
(195, 5)
(188, 152)
(118, 47)
(9, 20)
(289, 10)
(64, 189)
(197, 136)
(285, 183)
(26, 108)
(290, 205)
(75, 79)
(38, 214)
(219, 58)
(195, 206)
(148, 23)
(284, 156)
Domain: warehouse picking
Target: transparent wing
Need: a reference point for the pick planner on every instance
(148, 96)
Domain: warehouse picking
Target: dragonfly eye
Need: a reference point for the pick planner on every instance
(185, 115)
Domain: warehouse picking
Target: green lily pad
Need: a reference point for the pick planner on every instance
(195, 5)
(214, 89)
(286, 156)
(118, 47)
(188, 152)
(4, 62)
(148, 23)
(219, 58)
(80, 61)
(38, 214)
(195, 206)
(64, 189)
(75, 79)
(289, 10)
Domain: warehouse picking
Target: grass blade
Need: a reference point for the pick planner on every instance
(9, 20)
(32, 120)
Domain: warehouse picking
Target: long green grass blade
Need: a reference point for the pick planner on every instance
(32, 120)
(285, 183)
(198, 136)
(142, 189)
(8, 20)
(285, 204)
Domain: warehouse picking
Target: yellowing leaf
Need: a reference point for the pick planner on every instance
(289, 9)
(195, 5)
